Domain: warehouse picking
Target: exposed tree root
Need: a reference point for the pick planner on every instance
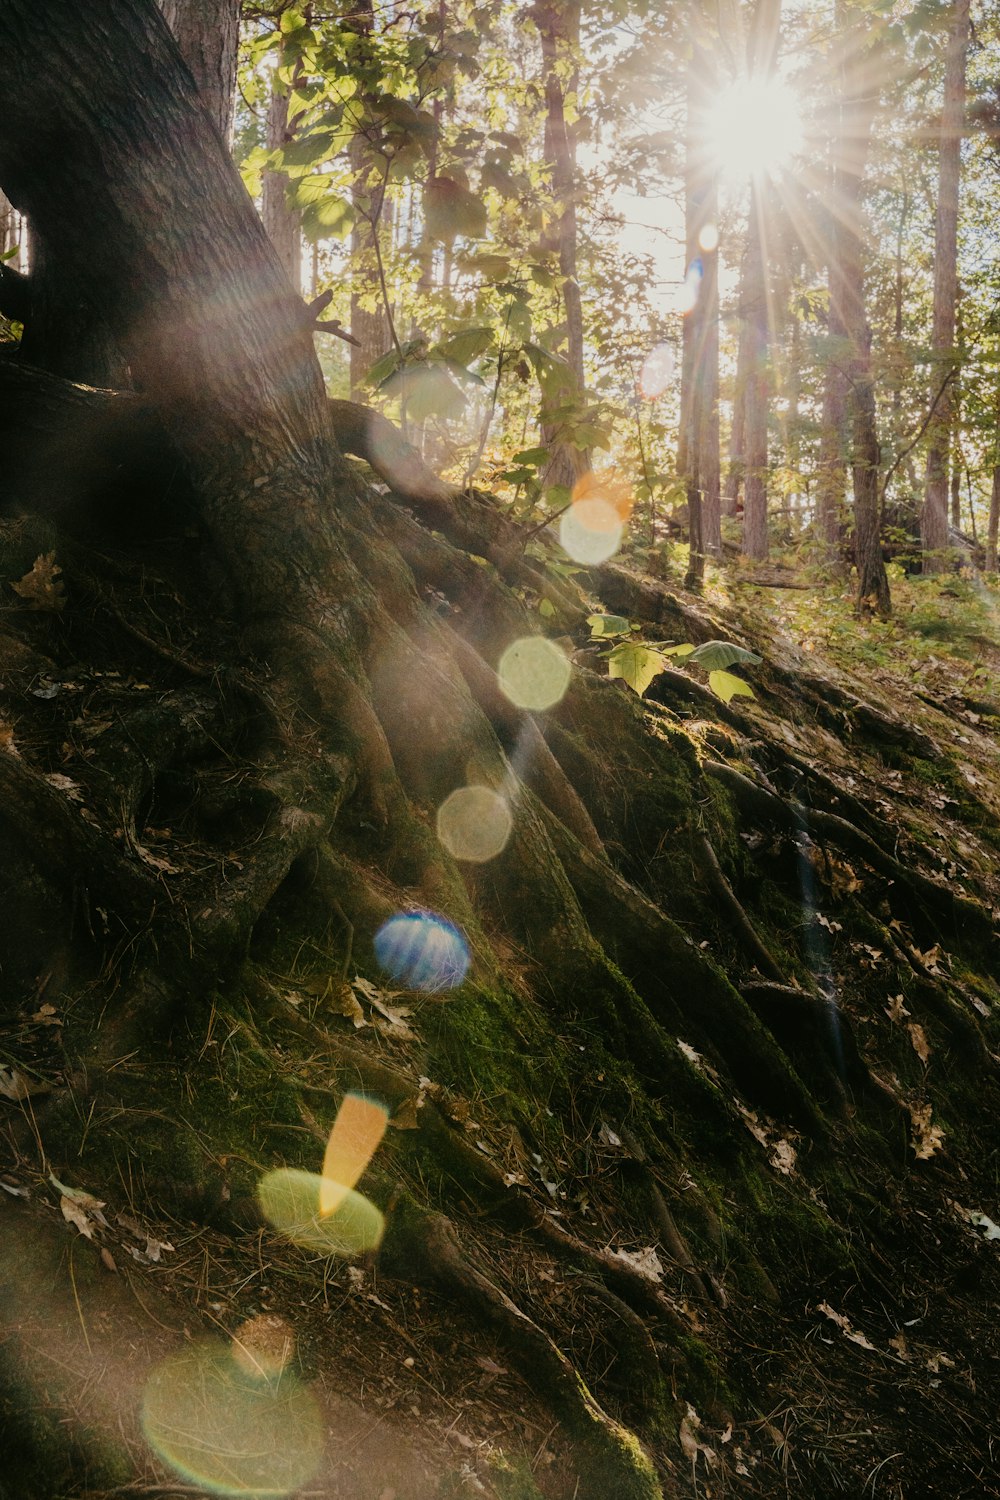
(966, 917)
(423, 1246)
(738, 920)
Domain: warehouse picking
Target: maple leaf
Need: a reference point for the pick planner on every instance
(41, 586)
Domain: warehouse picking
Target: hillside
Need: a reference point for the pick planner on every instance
(740, 1203)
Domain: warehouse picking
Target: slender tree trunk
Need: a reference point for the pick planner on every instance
(372, 208)
(934, 517)
(558, 23)
(208, 33)
(762, 52)
(859, 102)
(281, 220)
(755, 400)
(993, 524)
(736, 466)
(831, 478)
(698, 453)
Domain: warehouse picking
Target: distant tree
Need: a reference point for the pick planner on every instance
(934, 516)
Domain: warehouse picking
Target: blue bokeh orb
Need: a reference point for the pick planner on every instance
(422, 951)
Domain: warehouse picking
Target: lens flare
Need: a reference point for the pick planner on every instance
(590, 531)
(708, 238)
(685, 297)
(229, 1428)
(422, 951)
(534, 673)
(354, 1139)
(657, 371)
(263, 1345)
(474, 824)
(291, 1201)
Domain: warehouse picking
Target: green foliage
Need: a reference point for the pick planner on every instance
(638, 663)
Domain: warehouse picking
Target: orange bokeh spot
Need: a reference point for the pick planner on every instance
(357, 1131)
(602, 501)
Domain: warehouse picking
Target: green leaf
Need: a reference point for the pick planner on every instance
(726, 686)
(534, 457)
(635, 664)
(451, 210)
(714, 655)
(331, 217)
(493, 267)
(603, 626)
(427, 390)
(546, 608)
(464, 346)
(383, 367)
(686, 650)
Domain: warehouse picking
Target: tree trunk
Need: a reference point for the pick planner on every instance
(208, 34)
(934, 516)
(196, 298)
(755, 401)
(280, 219)
(698, 447)
(736, 466)
(558, 23)
(372, 209)
(993, 524)
(762, 52)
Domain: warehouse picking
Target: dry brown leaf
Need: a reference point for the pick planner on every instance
(7, 739)
(919, 1042)
(845, 1325)
(783, 1157)
(108, 1258)
(154, 861)
(896, 1010)
(14, 1085)
(927, 1138)
(41, 587)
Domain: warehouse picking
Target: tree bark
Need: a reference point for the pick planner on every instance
(934, 516)
(762, 52)
(558, 23)
(698, 448)
(208, 34)
(101, 127)
(372, 207)
(280, 219)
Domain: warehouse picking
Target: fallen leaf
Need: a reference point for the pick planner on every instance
(783, 1157)
(65, 784)
(155, 1248)
(41, 586)
(645, 1261)
(927, 1138)
(896, 1010)
(845, 1325)
(14, 1085)
(154, 861)
(919, 1042)
(13, 1190)
(108, 1258)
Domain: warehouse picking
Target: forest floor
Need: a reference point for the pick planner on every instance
(830, 1291)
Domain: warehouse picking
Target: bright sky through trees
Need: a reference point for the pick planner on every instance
(755, 128)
